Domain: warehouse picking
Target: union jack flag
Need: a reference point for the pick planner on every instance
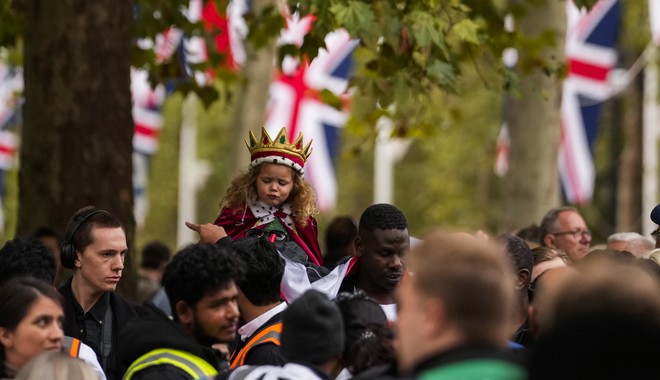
(295, 104)
(11, 84)
(590, 40)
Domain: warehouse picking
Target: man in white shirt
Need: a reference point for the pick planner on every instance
(260, 305)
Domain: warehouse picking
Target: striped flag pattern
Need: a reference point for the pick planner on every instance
(295, 103)
(590, 51)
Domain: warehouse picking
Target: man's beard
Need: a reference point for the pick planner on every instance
(202, 336)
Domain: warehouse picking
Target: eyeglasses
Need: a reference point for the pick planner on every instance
(271, 236)
(577, 234)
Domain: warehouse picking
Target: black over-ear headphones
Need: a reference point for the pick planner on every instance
(68, 254)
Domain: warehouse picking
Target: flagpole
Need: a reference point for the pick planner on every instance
(187, 189)
(650, 141)
(388, 152)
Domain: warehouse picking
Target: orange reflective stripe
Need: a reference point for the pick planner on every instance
(75, 347)
(270, 334)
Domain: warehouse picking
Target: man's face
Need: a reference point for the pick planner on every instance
(100, 264)
(380, 254)
(408, 325)
(215, 316)
(571, 235)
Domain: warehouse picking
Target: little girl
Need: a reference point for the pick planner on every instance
(272, 199)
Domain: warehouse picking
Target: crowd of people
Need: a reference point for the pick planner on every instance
(254, 298)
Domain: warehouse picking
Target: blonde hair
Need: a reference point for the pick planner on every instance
(302, 197)
(56, 365)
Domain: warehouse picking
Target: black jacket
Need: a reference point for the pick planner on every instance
(153, 330)
(122, 312)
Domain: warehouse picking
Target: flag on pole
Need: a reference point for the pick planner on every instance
(654, 14)
(295, 103)
(503, 147)
(11, 85)
(148, 121)
(590, 51)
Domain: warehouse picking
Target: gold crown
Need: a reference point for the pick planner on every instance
(280, 146)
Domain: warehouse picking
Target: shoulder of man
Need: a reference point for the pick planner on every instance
(123, 309)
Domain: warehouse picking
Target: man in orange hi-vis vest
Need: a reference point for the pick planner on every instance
(260, 304)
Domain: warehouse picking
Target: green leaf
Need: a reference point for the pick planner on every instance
(355, 16)
(329, 98)
(466, 30)
(442, 73)
(425, 29)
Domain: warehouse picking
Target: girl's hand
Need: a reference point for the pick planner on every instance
(208, 232)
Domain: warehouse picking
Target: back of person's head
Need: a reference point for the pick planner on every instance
(530, 234)
(44, 231)
(198, 270)
(312, 330)
(543, 254)
(56, 365)
(368, 339)
(264, 269)
(472, 277)
(78, 234)
(623, 256)
(155, 255)
(341, 232)
(26, 256)
(607, 282)
(373, 348)
(382, 216)
(549, 222)
(605, 323)
(632, 242)
(519, 253)
(51, 238)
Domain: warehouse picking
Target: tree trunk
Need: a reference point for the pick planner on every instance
(77, 133)
(628, 196)
(531, 186)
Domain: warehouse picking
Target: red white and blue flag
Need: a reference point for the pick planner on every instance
(11, 86)
(590, 51)
(295, 103)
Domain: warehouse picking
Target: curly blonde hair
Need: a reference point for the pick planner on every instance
(302, 197)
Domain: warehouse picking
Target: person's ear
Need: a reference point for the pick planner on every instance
(76, 260)
(435, 319)
(549, 241)
(359, 247)
(184, 313)
(522, 279)
(6, 338)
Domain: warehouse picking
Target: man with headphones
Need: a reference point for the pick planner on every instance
(94, 247)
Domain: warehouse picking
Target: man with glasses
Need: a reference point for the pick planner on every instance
(564, 228)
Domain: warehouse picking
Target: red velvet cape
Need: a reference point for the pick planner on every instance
(236, 222)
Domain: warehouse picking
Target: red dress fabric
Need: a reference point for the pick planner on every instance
(236, 222)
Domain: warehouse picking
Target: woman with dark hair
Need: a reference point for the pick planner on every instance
(31, 317)
(368, 342)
